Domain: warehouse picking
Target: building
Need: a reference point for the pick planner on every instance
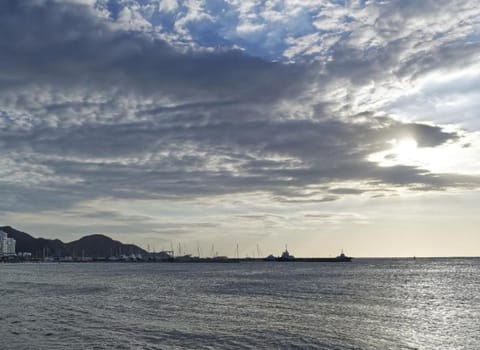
(7, 245)
(11, 246)
(3, 243)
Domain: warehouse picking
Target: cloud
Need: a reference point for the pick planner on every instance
(65, 45)
(91, 111)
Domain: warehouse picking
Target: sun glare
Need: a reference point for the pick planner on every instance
(405, 149)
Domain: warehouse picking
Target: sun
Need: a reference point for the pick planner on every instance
(402, 151)
(405, 149)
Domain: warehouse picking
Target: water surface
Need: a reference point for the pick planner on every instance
(366, 304)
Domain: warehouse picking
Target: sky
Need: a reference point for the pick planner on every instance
(318, 124)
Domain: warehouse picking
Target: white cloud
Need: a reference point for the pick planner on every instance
(168, 5)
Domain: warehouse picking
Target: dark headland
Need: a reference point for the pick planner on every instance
(88, 246)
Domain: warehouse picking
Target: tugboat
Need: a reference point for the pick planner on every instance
(343, 257)
(286, 256)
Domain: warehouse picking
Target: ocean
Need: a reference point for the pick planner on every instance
(366, 304)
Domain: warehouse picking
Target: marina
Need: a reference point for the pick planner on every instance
(169, 257)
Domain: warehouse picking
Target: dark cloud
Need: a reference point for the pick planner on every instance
(346, 191)
(91, 112)
(260, 217)
(64, 44)
(148, 159)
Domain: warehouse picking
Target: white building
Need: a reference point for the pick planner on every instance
(7, 245)
(3, 243)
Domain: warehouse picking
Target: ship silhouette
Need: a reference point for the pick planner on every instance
(286, 257)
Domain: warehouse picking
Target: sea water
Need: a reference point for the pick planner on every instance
(365, 304)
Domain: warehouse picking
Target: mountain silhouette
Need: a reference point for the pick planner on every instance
(92, 246)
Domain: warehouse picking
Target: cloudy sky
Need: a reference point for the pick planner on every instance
(321, 124)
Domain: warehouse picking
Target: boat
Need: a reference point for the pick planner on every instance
(287, 257)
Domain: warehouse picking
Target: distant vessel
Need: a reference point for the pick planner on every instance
(286, 256)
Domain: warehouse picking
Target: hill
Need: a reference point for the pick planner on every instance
(92, 245)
